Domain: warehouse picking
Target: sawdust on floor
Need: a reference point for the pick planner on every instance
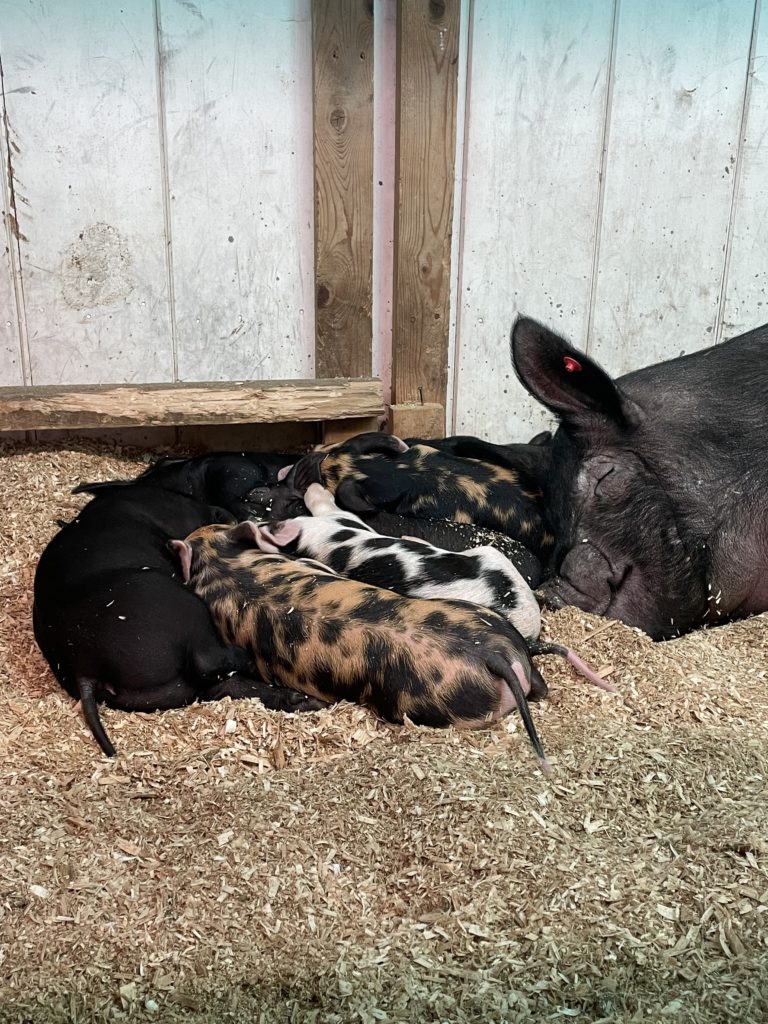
(235, 864)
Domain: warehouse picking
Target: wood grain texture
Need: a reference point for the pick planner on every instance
(427, 420)
(428, 45)
(41, 408)
(237, 94)
(746, 281)
(535, 114)
(385, 119)
(342, 48)
(81, 105)
(675, 122)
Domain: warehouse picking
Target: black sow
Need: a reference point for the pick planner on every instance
(657, 483)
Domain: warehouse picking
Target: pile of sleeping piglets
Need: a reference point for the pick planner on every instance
(397, 574)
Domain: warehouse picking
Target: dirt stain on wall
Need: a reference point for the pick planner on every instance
(96, 269)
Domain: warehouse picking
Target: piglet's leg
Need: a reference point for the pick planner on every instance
(320, 502)
(576, 661)
(275, 698)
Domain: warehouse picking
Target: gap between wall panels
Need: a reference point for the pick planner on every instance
(737, 170)
(161, 56)
(460, 179)
(602, 174)
(16, 315)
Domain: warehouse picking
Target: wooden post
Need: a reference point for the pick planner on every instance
(342, 45)
(427, 77)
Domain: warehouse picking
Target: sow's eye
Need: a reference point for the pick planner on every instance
(605, 477)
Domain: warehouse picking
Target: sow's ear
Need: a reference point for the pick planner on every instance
(566, 380)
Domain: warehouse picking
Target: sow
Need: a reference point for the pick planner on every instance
(656, 484)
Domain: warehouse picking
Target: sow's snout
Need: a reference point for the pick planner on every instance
(620, 587)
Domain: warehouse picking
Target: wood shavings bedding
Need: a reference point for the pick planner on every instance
(238, 865)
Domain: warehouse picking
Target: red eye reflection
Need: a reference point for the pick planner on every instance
(571, 365)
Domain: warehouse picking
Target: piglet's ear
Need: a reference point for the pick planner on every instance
(350, 495)
(246, 533)
(566, 380)
(183, 552)
(275, 537)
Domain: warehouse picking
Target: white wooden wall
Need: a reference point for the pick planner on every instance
(614, 185)
(159, 215)
(612, 181)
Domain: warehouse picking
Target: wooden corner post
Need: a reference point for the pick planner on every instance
(427, 87)
(342, 47)
(342, 85)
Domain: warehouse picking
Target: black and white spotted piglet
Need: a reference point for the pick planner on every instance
(343, 542)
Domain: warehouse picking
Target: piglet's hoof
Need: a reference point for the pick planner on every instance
(293, 700)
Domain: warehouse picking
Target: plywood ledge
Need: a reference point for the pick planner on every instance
(158, 405)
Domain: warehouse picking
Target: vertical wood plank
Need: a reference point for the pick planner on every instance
(12, 336)
(342, 50)
(428, 46)
(457, 226)
(745, 303)
(535, 115)
(674, 132)
(384, 121)
(81, 106)
(238, 123)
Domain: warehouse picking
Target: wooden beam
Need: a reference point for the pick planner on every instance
(428, 49)
(129, 405)
(342, 45)
(427, 420)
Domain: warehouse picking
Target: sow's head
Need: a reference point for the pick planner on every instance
(623, 549)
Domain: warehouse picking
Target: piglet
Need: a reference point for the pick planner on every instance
(374, 474)
(406, 565)
(115, 623)
(438, 662)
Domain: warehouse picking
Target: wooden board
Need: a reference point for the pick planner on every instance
(427, 420)
(537, 93)
(678, 93)
(74, 406)
(384, 120)
(342, 52)
(746, 284)
(81, 101)
(428, 45)
(238, 129)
